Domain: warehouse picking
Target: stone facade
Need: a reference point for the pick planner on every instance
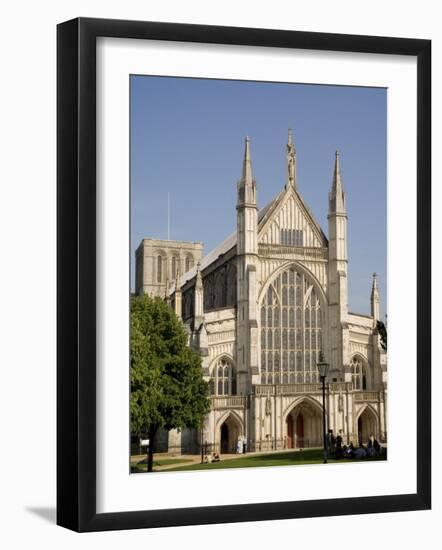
(158, 262)
(260, 308)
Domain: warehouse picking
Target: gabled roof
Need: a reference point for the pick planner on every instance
(268, 210)
(230, 242)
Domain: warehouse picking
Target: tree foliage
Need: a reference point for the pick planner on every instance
(167, 387)
(382, 330)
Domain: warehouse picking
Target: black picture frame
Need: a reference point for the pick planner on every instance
(76, 274)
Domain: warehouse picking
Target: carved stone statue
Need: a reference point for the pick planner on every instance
(291, 160)
(268, 406)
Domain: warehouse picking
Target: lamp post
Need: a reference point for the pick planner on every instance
(202, 444)
(323, 371)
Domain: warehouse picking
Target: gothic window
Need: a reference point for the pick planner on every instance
(223, 380)
(189, 262)
(291, 329)
(291, 237)
(358, 369)
(174, 267)
(159, 269)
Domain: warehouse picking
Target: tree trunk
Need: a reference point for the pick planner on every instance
(152, 433)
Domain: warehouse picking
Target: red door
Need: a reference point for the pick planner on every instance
(289, 432)
(300, 431)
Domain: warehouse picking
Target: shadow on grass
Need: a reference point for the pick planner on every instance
(291, 458)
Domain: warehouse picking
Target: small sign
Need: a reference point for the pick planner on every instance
(144, 442)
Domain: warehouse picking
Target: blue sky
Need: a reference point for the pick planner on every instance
(187, 139)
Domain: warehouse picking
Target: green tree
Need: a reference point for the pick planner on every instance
(382, 330)
(167, 386)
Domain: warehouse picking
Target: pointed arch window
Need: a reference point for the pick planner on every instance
(291, 328)
(189, 262)
(223, 378)
(159, 269)
(173, 267)
(359, 373)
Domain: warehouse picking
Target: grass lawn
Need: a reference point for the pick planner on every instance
(309, 456)
(137, 468)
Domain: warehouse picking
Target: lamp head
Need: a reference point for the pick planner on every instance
(323, 366)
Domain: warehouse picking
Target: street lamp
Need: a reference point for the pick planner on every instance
(323, 371)
(202, 443)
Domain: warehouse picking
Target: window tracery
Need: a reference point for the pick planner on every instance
(223, 379)
(189, 263)
(359, 373)
(291, 330)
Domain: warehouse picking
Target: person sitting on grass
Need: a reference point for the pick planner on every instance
(215, 457)
(360, 452)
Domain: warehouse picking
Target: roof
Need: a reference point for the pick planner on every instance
(230, 241)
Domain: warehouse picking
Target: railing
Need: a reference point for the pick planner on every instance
(340, 386)
(266, 389)
(224, 336)
(310, 252)
(229, 402)
(239, 401)
(287, 389)
(367, 396)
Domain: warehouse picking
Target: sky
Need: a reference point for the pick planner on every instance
(187, 139)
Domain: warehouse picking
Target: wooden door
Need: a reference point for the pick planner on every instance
(300, 431)
(290, 432)
(224, 438)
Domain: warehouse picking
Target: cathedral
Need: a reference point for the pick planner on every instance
(260, 308)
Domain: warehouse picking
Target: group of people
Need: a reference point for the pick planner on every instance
(337, 449)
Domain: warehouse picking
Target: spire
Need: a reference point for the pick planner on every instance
(291, 161)
(337, 179)
(375, 299)
(374, 285)
(247, 184)
(247, 174)
(337, 194)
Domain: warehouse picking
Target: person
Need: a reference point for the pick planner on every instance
(215, 457)
(377, 447)
(239, 445)
(349, 452)
(338, 445)
(360, 452)
(370, 446)
(244, 445)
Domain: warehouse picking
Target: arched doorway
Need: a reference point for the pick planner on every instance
(304, 426)
(230, 430)
(300, 430)
(367, 425)
(224, 438)
(290, 440)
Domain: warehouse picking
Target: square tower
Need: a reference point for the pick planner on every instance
(158, 261)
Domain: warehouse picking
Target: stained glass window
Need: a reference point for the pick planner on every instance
(291, 329)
